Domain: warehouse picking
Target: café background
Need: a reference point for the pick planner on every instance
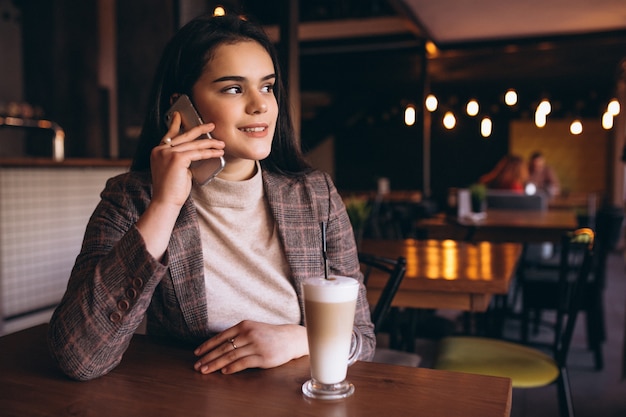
(62, 67)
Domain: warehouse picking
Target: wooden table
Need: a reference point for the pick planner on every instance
(156, 379)
(524, 226)
(447, 274)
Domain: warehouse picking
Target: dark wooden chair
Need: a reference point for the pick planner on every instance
(540, 289)
(394, 269)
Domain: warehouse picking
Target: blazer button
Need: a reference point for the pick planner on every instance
(115, 317)
(138, 283)
(131, 293)
(123, 305)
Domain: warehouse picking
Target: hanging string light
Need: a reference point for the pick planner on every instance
(543, 109)
(510, 97)
(613, 107)
(607, 120)
(431, 103)
(449, 121)
(486, 127)
(409, 115)
(540, 119)
(472, 107)
(612, 110)
(576, 128)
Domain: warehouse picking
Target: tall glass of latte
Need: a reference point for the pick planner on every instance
(329, 307)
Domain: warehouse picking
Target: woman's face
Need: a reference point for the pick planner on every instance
(235, 92)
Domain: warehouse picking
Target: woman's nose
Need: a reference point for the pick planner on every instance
(257, 104)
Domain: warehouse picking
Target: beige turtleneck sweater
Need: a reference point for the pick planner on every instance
(245, 270)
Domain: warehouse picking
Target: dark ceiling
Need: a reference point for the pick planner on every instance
(449, 22)
(566, 50)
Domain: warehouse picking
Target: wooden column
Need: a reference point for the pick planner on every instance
(289, 51)
(617, 146)
(427, 122)
(107, 72)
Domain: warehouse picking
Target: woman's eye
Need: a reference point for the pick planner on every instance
(232, 90)
(268, 88)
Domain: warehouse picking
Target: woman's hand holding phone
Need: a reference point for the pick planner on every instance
(170, 162)
(172, 180)
(206, 169)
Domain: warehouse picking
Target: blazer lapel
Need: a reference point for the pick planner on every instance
(295, 210)
(187, 270)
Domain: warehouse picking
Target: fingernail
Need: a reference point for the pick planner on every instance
(196, 366)
(204, 369)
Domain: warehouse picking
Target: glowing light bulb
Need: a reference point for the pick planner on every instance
(486, 127)
(613, 107)
(576, 128)
(544, 107)
(449, 121)
(607, 120)
(510, 97)
(219, 11)
(409, 115)
(431, 48)
(540, 119)
(472, 108)
(431, 102)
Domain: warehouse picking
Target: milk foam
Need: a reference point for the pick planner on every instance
(336, 289)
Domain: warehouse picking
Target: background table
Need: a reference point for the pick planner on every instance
(523, 226)
(446, 274)
(156, 379)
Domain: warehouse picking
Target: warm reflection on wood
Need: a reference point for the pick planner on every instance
(449, 259)
(460, 272)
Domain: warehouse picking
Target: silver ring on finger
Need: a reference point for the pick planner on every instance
(232, 342)
(167, 141)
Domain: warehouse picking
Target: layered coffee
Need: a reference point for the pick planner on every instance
(329, 313)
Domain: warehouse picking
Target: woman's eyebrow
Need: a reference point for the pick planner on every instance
(239, 78)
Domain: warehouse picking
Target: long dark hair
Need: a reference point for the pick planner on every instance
(181, 65)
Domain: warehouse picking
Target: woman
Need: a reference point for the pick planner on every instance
(510, 173)
(218, 265)
(542, 175)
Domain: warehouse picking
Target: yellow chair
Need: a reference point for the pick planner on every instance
(526, 366)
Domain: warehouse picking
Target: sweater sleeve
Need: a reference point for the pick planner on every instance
(109, 289)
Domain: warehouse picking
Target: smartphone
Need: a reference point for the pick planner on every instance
(203, 171)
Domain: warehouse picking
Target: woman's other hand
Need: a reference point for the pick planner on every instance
(251, 344)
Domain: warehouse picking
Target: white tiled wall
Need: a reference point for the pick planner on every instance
(43, 214)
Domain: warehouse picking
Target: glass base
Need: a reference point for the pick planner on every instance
(319, 391)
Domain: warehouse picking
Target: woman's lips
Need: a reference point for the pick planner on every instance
(255, 131)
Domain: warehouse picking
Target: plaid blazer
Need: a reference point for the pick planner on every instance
(115, 282)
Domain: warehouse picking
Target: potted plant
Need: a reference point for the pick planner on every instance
(478, 197)
(358, 209)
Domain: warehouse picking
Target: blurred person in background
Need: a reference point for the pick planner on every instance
(542, 175)
(510, 173)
